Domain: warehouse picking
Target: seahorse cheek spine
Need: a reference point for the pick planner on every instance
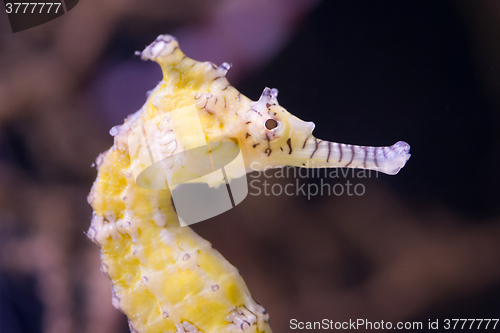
(165, 278)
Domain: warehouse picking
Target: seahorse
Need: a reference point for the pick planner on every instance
(164, 276)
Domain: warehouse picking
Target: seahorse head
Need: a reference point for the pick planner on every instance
(207, 109)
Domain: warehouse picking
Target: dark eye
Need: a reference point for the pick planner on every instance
(271, 124)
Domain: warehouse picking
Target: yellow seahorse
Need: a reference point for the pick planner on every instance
(165, 277)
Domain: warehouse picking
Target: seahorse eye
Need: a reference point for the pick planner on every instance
(271, 124)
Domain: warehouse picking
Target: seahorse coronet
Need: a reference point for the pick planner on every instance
(164, 276)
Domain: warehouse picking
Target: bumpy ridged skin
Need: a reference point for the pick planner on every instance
(165, 277)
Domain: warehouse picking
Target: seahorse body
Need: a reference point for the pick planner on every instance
(165, 277)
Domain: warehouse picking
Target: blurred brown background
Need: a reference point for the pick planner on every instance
(424, 244)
